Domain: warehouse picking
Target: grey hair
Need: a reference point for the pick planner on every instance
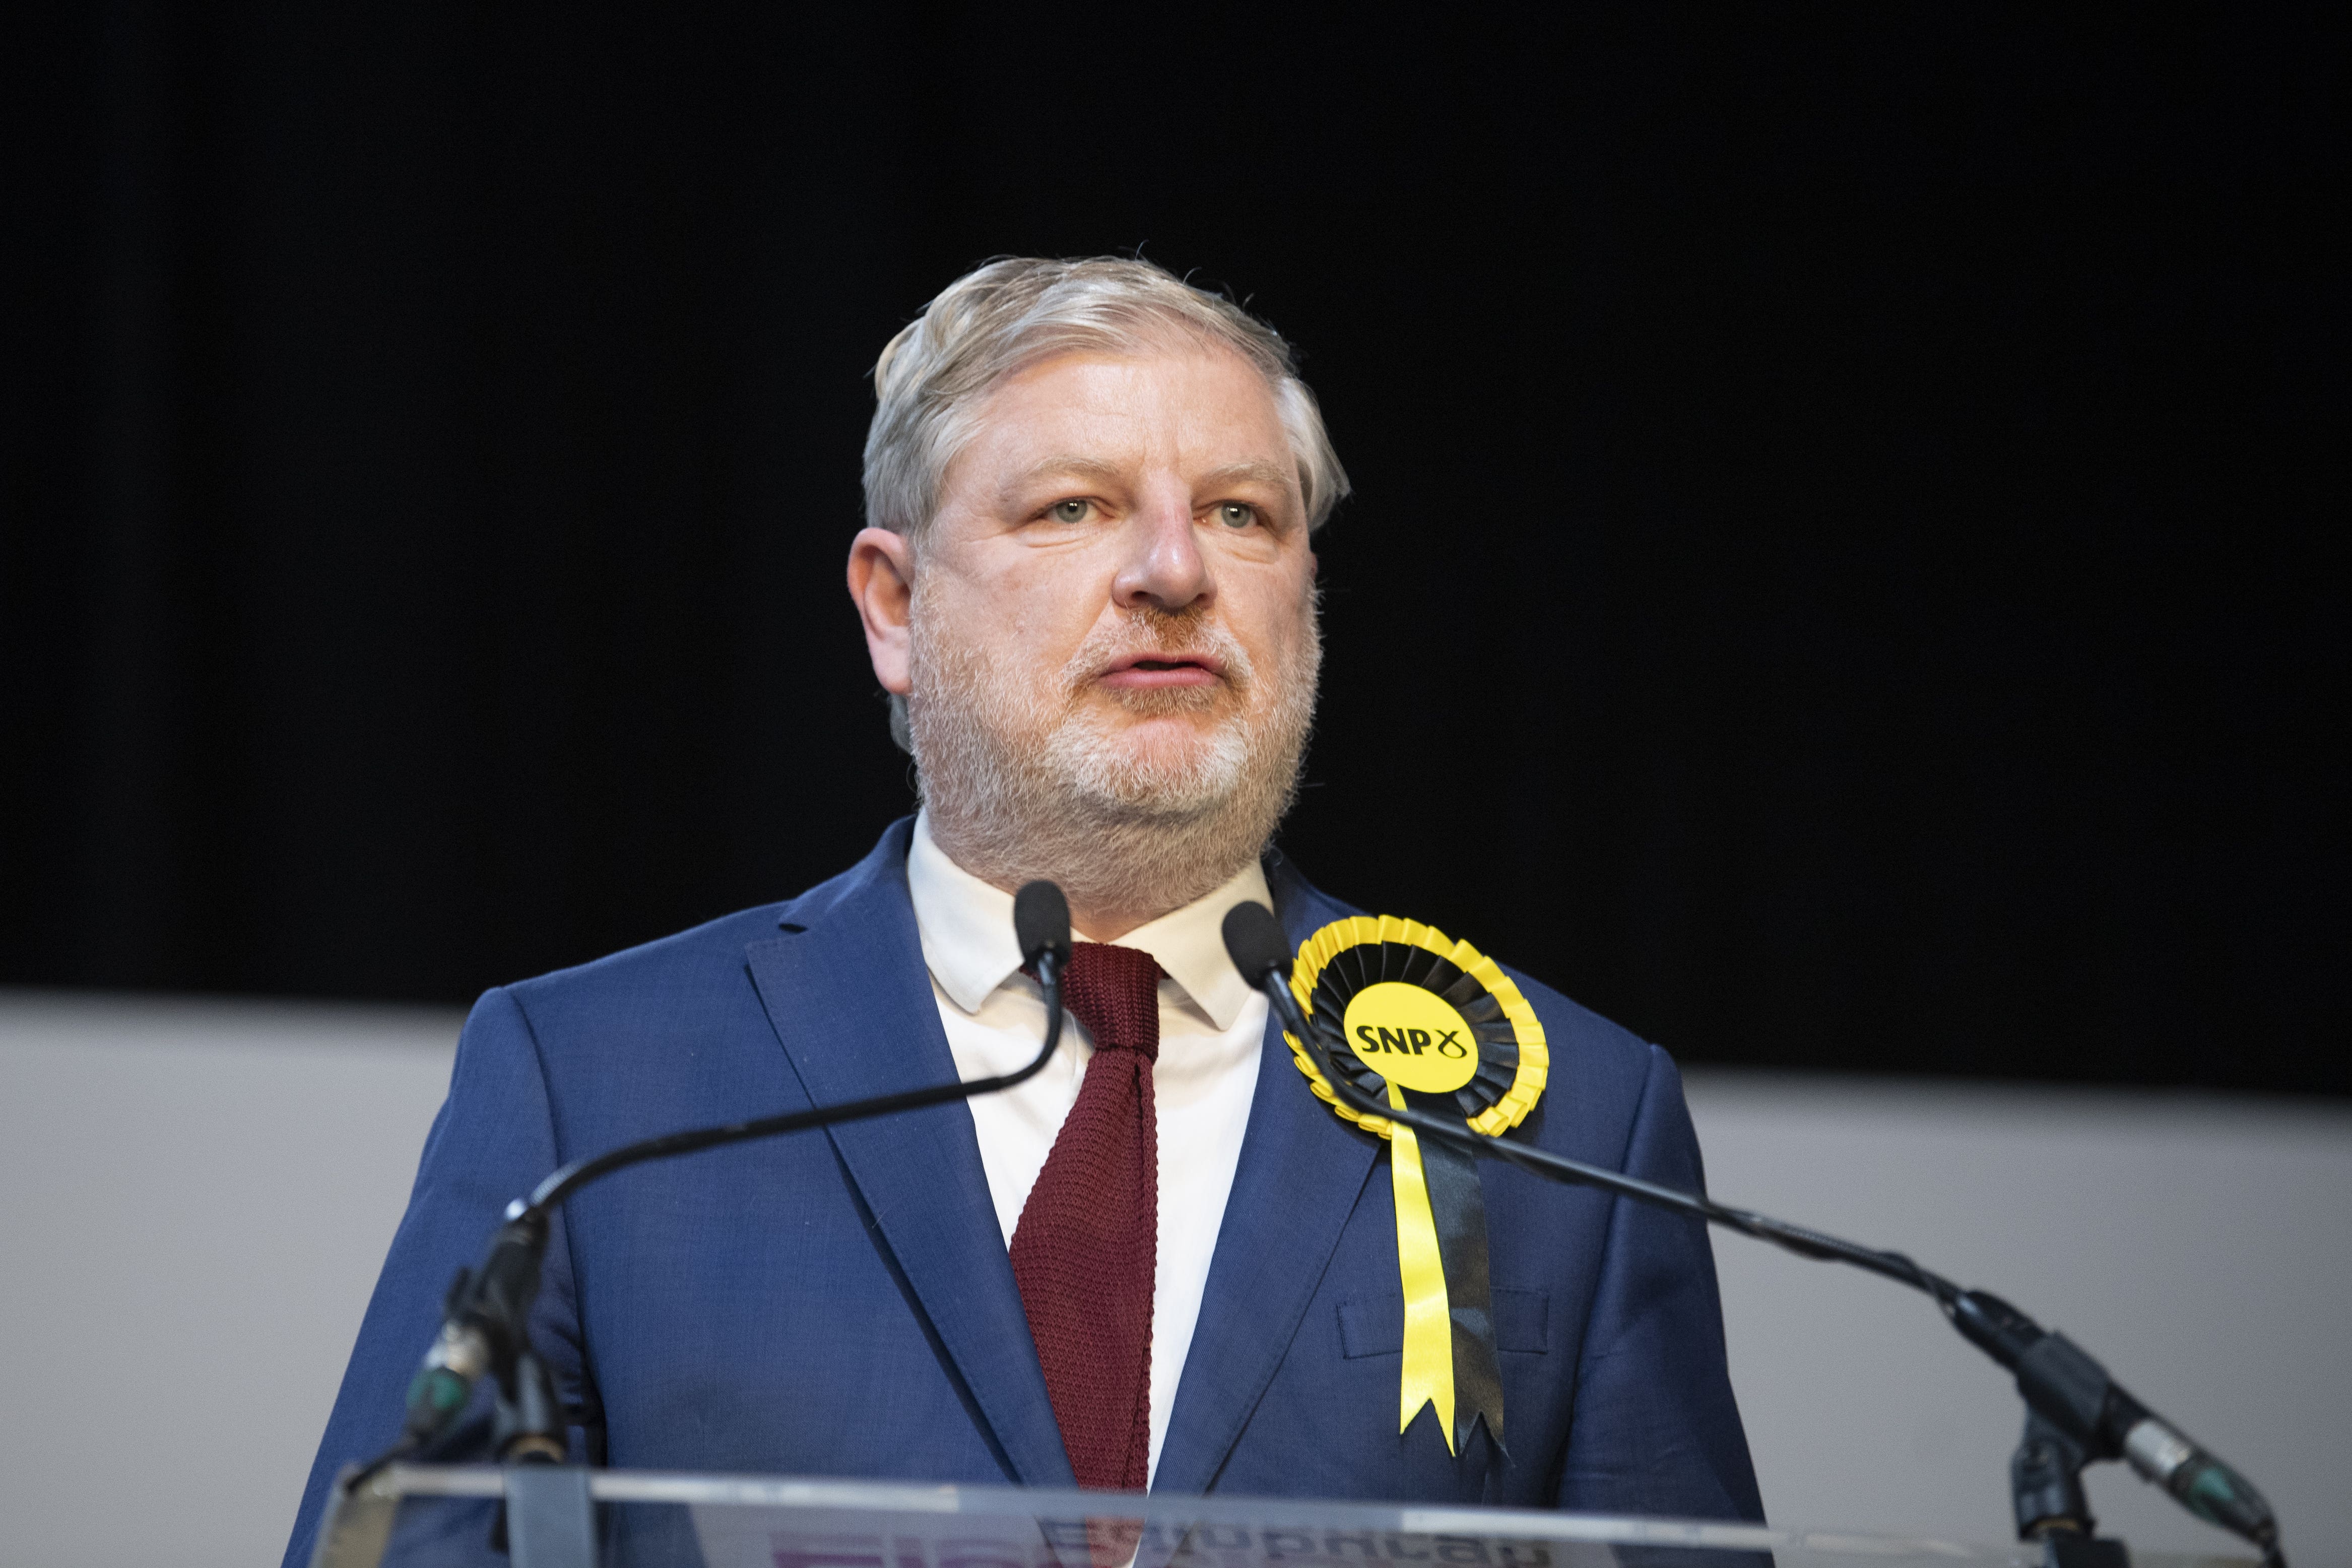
(1002, 318)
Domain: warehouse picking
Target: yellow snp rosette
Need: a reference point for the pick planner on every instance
(1428, 1024)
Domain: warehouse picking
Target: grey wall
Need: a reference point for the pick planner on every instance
(194, 1196)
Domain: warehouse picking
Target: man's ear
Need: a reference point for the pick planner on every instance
(882, 584)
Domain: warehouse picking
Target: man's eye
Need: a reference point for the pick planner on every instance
(1236, 514)
(1070, 510)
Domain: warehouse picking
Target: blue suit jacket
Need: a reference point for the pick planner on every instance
(842, 1303)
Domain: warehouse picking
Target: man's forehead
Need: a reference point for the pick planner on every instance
(1101, 417)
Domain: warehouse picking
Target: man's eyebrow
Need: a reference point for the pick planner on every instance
(1261, 471)
(1092, 470)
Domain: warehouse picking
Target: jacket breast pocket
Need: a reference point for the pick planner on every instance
(1375, 1326)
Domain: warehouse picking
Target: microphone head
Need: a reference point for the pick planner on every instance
(1041, 922)
(1254, 940)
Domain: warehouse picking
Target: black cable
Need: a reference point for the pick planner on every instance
(1796, 1238)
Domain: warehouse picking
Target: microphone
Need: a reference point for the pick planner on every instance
(1254, 940)
(1040, 924)
(486, 1318)
(2061, 1383)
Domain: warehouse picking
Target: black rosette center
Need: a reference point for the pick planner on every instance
(1353, 969)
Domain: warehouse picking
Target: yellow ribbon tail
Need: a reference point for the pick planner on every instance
(1428, 1377)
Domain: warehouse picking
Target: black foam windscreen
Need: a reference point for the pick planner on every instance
(1254, 940)
(1041, 922)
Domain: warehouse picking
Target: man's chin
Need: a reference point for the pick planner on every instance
(1160, 774)
(1172, 739)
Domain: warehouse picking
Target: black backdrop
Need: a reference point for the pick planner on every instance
(1837, 579)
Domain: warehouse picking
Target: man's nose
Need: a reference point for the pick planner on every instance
(1165, 568)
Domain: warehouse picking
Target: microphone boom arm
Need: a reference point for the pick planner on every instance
(2062, 1385)
(561, 1183)
(486, 1320)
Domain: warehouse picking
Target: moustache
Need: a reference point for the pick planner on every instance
(1158, 632)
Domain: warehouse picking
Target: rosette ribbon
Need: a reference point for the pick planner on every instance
(1431, 1025)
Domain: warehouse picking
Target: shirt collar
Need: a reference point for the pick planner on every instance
(967, 944)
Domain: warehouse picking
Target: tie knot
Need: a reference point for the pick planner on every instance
(1115, 993)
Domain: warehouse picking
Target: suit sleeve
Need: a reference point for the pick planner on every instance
(492, 1141)
(1656, 1429)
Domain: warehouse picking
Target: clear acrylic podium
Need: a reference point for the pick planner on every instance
(559, 1517)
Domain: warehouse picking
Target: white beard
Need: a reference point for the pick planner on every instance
(1026, 779)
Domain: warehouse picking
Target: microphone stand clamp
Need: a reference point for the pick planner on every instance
(2045, 1486)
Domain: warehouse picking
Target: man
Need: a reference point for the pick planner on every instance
(1088, 588)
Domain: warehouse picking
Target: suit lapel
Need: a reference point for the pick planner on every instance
(1300, 1173)
(848, 999)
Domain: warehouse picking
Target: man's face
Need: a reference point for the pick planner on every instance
(1114, 609)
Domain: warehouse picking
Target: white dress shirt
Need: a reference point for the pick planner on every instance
(1211, 1026)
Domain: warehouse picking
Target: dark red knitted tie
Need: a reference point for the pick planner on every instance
(1088, 1240)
